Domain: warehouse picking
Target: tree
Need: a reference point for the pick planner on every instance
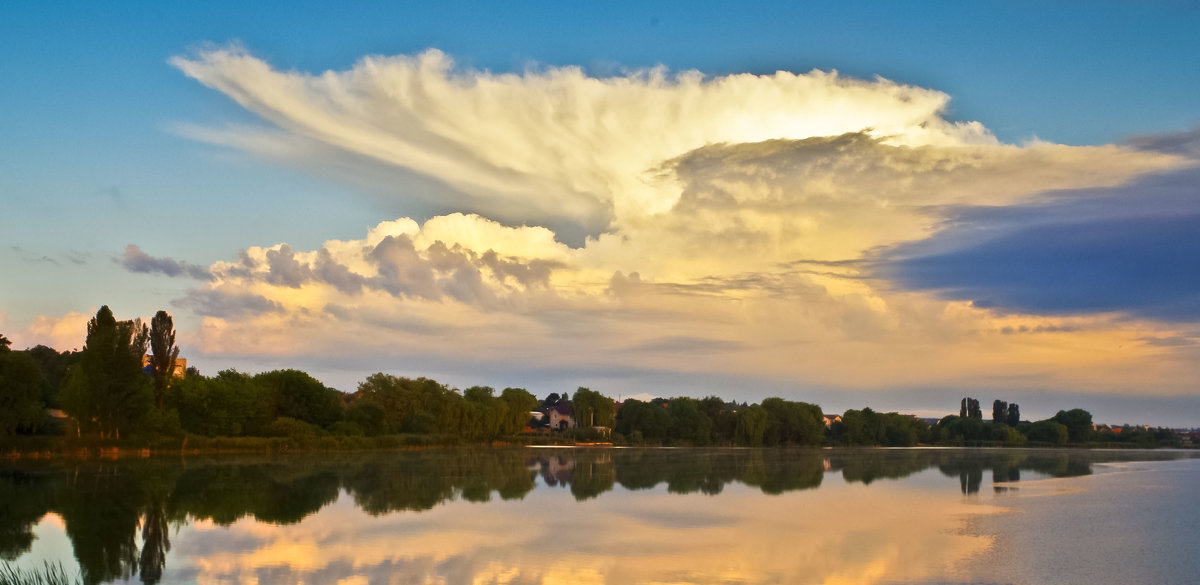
(649, 419)
(520, 402)
(973, 409)
(54, 367)
(593, 409)
(298, 395)
(797, 423)
(20, 390)
(108, 386)
(1013, 418)
(369, 417)
(165, 352)
(1047, 431)
(1078, 422)
(752, 422)
(229, 404)
(999, 411)
(688, 422)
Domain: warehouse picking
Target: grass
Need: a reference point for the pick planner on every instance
(48, 574)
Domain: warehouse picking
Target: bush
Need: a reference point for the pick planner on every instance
(292, 428)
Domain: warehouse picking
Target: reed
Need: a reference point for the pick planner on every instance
(48, 574)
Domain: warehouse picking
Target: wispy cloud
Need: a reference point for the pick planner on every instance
(136, 260)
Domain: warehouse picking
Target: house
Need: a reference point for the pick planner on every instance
(180, 366)
(831, 418)
(561, 416)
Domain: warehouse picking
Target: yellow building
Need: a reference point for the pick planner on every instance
(180, 366)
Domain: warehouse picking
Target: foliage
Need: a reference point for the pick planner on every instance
(1047, 431)
(20, 391)
(867, 427)
(520, 403)
(295, 394)
(593, 409)
(649, 419)
(688, 423)
(165, 352)
(229, 404)
(107, 387)
(752, 423)
(368, 416)
(1013, 418)
(955, 430)
(999, 411)
(1078, 423)
(970, 409)
(793, 423)
(54, 367)
(295, 429)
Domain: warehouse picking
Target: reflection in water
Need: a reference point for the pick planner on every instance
(325, 519)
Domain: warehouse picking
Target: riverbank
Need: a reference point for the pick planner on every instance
(35, 447)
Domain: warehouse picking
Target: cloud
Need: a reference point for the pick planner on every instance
(762, 222)
(62, 333)
(226, 304)
(138, 261)
(1185, 143)
(1129, 249)
(550, 143)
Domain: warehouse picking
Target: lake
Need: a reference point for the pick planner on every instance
(616, 516)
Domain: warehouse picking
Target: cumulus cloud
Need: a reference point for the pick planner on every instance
(62, 333)
(762, 222)
(138, 261)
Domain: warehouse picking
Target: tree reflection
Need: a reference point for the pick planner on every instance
(107, 506)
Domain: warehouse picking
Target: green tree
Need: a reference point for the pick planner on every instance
(1013, 418)
(1078, 422)
(229, 404)
(688, 422)
(368, 416)
(999, 411)
(299, 396)
(1048, 431)
(520, 403)
(165, 352)
(108, 387)
(752, 423)
(20, 391)
(646, 418)
(593, 409)
(796, 423)
(54, 369)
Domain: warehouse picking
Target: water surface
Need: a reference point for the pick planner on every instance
(509, 516)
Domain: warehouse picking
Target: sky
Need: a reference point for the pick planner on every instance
(855, 204)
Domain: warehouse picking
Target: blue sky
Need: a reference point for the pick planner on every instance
(108, 143)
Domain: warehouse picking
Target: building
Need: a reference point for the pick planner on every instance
(562, 416)
(180, 366)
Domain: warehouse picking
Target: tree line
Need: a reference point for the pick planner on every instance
(122, 383)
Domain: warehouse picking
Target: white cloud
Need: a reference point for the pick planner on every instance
(728, 215)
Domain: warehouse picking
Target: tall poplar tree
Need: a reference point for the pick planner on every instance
(165, 352)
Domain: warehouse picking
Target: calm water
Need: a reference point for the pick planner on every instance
(576, 516)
